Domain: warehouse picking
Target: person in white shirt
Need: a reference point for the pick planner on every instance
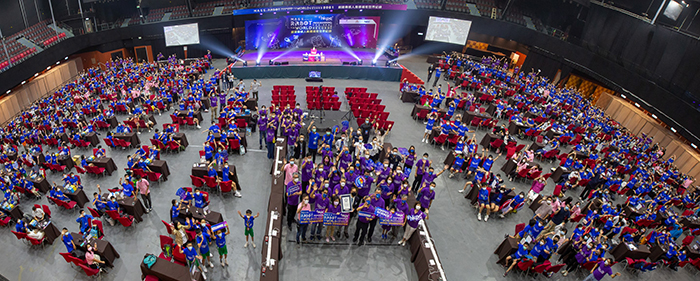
(254, 87)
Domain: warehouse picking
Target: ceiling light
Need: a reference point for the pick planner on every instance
(673, 129)
(636, 104)
(623, 96)
(654, 116)
(24, 82)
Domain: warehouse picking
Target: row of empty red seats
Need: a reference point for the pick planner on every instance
(324, 98)
(366, 105)
(283, 95)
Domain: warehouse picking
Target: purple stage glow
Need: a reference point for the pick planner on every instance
(333, 56)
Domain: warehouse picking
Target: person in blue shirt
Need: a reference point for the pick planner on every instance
(429, 124)
(21, 226)
(67, 240)
(456, 165)
(249, 220)
(483, 199)
(175, 212)
(199, 200)
(328, 137)
(127, 187)
(84, 221)
(202, 239)
(113, 205)
(192, 257)
(220, 238)
(521, 253)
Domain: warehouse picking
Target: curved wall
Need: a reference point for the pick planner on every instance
(546, 53)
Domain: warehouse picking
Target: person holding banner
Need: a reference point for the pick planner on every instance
(220, 238)
(412, 219)
(335, 209)
(365, 214)
(321, 200)
(301, 229)
(378, 202)
(293, 193)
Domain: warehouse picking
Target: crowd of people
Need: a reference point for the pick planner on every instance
(632, 194)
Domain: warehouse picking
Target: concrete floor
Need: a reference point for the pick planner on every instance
(464, 244)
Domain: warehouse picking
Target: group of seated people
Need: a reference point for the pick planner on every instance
(606, 161)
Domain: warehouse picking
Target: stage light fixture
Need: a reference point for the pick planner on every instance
(694, 146)
(374, 63)
(636, 104)
(36, 74)
(245, 63)
(271, 62)
(58, 62)
(24, 82)
(360, 10)
(623, 96)
(387, 64)
(257, 63)
(8, 91)
(274, 13)
(654, 116)
(359, 62)
(66, 58)
(673, 129)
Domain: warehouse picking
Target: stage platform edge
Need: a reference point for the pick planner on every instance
(361, 72)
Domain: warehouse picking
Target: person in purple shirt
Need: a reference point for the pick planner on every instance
(321, 173)
(410, 159)
(270, 138)
(350, 175)
(332, 208)
(430, 177)
(322, 199)
(292, 199)
(362, 221)
(368, 183)
(421, 168)
(307, 170)
(378, 202)
(341, 188)
(412, 219)
(401, 204)
(387, 189)
(344, 158)
(600, 270)
(383, 171)
(262, 125)
(426, 196)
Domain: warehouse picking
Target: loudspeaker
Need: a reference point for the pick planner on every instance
(346, 63)
(285, 63)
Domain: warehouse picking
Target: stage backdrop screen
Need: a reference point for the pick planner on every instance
(178, 35)
(448, 30)
(306, 31)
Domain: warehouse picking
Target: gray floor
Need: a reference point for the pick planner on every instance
(464, 244)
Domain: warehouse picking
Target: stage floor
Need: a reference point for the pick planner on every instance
(295, 57)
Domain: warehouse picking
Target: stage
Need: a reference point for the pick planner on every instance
(332, 67)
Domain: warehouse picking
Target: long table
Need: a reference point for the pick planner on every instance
(182, 138)
(130, 137)
(621, 251)
(160, 166)
(77, 196)
(165, 270)
(67, 161)
(41, 184)
(104, 162)
(104, 248)
(198, 214)
(422, 257)
(243, 141)
(276, 204)
(200, 171)
(130, 206)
